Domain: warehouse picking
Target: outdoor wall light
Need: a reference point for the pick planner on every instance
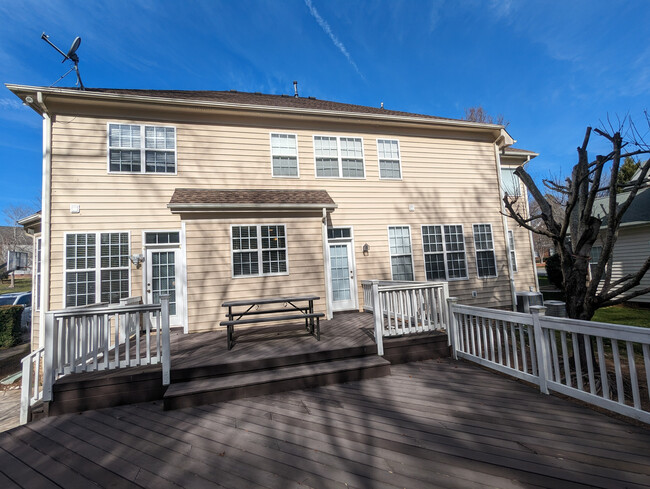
(137, 260)
(366, 249)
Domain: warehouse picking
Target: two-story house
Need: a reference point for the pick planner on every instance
(212, 196)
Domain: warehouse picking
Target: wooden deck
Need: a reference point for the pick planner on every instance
(430, 424)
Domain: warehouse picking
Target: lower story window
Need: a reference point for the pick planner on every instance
(401, 258)
(259, 250)
(97, 268)
(485, 257)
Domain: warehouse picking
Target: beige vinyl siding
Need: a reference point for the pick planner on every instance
(449, 177)
(631, 250)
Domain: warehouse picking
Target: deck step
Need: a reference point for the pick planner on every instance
(251, 384)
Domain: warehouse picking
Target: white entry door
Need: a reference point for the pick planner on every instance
(163, 277)
(344, 286)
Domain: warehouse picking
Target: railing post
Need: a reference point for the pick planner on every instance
(541, 348)
(378, 314)
(166, 359)
(26, 390)
(49, 365)
(451, 328)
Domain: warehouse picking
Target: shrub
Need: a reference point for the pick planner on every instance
(10, 325)
(554, 271)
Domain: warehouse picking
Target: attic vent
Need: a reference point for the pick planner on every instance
(233, 91)
(258, 93)
(311, 98)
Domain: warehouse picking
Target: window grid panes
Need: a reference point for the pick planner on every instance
(96, 273)
(284, 154)
(339, 233)
(511, 248)
(131, 145)
(455, 251)
(163, 237)
(434, 256)
(399, 238)
(259, 250)
(485, 257)
(389, 160)
(339, 157)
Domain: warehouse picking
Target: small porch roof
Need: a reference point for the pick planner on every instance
(213, 200)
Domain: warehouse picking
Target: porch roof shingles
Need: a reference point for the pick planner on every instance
(194, 199)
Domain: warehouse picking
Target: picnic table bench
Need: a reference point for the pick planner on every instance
(301, 307)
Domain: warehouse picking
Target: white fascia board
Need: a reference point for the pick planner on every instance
(17, 89)
(178, 208)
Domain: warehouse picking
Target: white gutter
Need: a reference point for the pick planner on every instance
(46, 213)
(203, 207)
(260, 108)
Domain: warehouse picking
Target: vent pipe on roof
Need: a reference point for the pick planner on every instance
(382, 105)
(295, 89)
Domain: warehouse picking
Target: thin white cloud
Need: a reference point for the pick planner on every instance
(325, 26)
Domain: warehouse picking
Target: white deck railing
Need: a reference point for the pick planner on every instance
(547, 352)
(96, 338)
(403, 308)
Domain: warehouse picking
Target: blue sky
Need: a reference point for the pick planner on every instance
(551, 68)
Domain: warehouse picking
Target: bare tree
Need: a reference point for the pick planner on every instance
(478, 114)
(576, 228)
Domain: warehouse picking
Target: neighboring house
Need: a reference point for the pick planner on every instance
(14, 238)
(632, 246)
(229, 195)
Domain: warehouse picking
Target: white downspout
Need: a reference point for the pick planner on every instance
(504, 220)
(326, 261)
(46, 211)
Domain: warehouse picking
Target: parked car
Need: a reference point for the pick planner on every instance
(20, 299)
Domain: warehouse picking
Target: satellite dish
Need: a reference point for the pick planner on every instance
(71, 55)
(73, 49)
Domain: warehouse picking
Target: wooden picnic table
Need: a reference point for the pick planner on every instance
(295, 307)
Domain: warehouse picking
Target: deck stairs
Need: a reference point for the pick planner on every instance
(251, 378)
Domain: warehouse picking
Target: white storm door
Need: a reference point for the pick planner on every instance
(163, 277)
(344, 287)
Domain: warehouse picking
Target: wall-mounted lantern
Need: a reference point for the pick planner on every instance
(366, 249)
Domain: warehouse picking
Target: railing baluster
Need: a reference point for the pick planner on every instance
(515, 348)
(576, 357)
(634, 380)
(590, 364)
(506, 347)
(604, 381)
(497, 332)
(565, 360)
(522, 346)
(617, 368)
(556, 362)
(646, 362)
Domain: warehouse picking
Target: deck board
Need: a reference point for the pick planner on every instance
(431, 424)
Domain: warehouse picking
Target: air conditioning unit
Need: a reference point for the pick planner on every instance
(526, 299)
(555, 309)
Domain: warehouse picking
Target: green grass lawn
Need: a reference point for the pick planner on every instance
(630, 316)
(22, 285)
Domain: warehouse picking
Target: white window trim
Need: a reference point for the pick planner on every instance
(399, 160)
(273, 175)
(512, 252)
(510, 168)
(259, 252)
(160, 245)
(493, 250)
(37, 284)
(340, 159)
(445, 252)
(98, 269)
(142, 150)
(390, 255)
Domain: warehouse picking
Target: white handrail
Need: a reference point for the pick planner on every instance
(404, 308)
(606, 365)
(97, 338)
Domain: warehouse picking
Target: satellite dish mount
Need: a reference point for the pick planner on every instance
(71, 55)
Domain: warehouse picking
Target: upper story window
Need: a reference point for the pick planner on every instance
(141, 149)
(485, 258)
(284, 155)
(389, 161)
(339, 157)
(510, 182)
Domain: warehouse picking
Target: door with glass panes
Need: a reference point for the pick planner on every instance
(342, 271)
(163, 277)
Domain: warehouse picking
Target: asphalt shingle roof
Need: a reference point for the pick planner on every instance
(250, 196)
